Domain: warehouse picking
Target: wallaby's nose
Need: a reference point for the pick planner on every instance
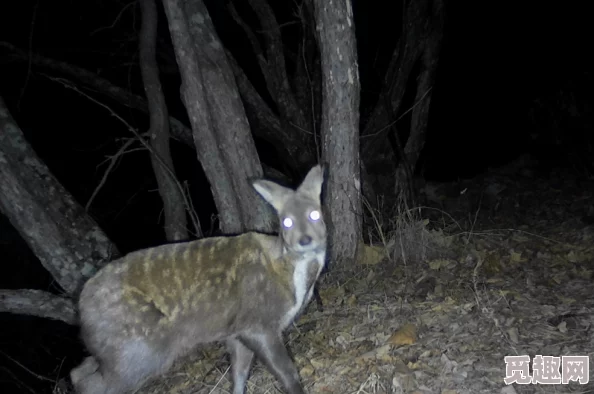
(305, 240)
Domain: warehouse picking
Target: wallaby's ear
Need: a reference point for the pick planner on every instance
(275, 194)
(312, 184)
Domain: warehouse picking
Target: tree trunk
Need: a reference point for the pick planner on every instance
(307, 81)
(422, 23)
(340, 126)
(273, 66)
(221, 132)
(420, 114)
(174, 207)
(67, 241)
(267, 124)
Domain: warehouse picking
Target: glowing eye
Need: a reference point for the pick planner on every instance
(314, 215)
(288, 222)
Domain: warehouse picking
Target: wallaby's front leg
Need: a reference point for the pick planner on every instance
(269, 347)
(241, 361)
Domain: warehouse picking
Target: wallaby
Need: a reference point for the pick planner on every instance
(141, 312)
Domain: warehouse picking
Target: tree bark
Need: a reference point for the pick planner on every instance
(171, 193)
(38, 303)
(340, 126)
(221, 131)
(67, 241)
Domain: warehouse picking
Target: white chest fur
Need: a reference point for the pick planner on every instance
(302, 283)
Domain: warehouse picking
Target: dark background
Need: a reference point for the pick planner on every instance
(514, 78)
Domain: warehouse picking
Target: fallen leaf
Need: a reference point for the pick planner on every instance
(406, 335)
(352, 300)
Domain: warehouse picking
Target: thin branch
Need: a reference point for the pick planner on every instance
(29, 55)
(69, 85)
(171, 192)
(253, 40)
(276, 77)
(36, 375)
(407, 51)
(270, 129)
(417, 102)
(116, 20)
(113, 161)
(179, 131)
(18, 381)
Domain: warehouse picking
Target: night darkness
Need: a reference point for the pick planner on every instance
(512, 79)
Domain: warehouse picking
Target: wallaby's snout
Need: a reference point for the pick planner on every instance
(305, 240)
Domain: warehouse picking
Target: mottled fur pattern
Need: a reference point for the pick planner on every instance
(143, 311)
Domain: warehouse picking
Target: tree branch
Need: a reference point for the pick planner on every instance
(307, 78)
(420, 112)
(253, 41)
(179, 131)
(266, 123)
(67, 241)
(38, 303)
(169, 190)
(407, 52)
(276, 76)
(270, 129)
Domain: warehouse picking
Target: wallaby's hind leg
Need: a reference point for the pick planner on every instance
(90, 378)
(119, 370)
(87, 379)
